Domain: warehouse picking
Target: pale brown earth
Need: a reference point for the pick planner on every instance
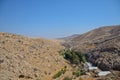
(23, 58)
(87, 41)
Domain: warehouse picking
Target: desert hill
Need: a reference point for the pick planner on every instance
(23, 58)
(86, 41)
(69, 37)
(102, 46)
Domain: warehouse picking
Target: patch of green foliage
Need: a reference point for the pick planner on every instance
(62, 71)
(67, 78)
(77, 73)
(73, 56)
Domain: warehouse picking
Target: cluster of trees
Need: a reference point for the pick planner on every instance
(75, 57)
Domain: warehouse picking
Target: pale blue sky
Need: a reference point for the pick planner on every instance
(57, 18)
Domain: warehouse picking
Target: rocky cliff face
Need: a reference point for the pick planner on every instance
(106, 55)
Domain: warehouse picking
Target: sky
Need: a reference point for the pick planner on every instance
(57, 18)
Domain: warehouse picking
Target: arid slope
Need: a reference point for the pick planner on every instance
(102, 46)
(86, 41)
(23, 58)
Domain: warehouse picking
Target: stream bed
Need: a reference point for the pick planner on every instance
(89, 66)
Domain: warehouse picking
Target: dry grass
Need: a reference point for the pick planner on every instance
(35, 58)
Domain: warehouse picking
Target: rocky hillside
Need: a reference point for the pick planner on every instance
(68, 38)
(23, 58)
(85, 42)
(106, 55)
(102, 46)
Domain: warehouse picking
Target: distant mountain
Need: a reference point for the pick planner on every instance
(101, 45)
(87, 40)
(69, 37)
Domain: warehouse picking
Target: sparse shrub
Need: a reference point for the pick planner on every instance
(62, 71)
(77, 73)
(67, 78)
(21, 76)
(65, 67)
(58, 74)
(80, 78)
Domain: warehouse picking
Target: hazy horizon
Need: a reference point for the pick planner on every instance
(57, 18)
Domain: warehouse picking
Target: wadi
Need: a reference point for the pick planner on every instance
(94, 55)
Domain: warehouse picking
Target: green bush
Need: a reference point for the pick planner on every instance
(73, 56)
(57, 75)
(62, 71)
(67, 78)
(77, 73)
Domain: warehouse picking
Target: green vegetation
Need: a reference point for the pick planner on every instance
(73, 56)
(67, 78)
(62, 71)
(58, 74)
(78, 72)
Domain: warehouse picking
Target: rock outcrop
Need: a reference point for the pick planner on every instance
(106, 55)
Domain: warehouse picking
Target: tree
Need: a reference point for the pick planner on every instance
(73, 56)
